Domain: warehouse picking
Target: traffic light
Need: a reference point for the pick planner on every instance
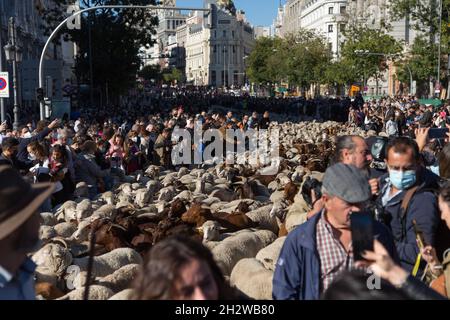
(39, 94)
(48, 108)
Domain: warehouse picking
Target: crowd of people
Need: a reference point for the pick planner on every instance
(398, 174)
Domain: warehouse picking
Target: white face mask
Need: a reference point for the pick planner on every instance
(134, 139)
(31, 157)
(27, 135)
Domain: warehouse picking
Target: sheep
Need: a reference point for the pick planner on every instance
(142, 197)
(167, 193)
(251, 278)
(105, 211)
(48, 219)
(120, 279)
(67, 212)
(65, 229)
(245, 244)
(127, 294)
(152, 171)
(52, 259)
(107, 197)
(82, 232)
(268, 256)
(109, 262)
(264, 219)
(96, 292)
(81, 190)
(46, 233)
(83, 209)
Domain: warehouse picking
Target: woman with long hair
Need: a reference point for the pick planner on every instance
(179, 268)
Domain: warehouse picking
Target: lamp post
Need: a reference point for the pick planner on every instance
(13, 54)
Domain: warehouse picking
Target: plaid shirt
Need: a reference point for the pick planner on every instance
(333, 257)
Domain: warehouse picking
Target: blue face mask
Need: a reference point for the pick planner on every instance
(435, 170)
(402, 179)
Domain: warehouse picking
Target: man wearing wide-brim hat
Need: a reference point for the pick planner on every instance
(19, 233)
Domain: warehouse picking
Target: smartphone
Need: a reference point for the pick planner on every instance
(437, 133)
(419, 236)
(362, 233)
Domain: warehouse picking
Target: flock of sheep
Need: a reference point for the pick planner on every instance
(240, 214)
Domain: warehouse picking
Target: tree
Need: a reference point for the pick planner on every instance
(172, 75)
(263, 62)
(424, 17)
(116, 37)
(151, 72)
(361, 37)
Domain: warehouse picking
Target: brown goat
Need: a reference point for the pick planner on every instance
(177, 208)
(48, 291)
(197, 215)
(290, 191)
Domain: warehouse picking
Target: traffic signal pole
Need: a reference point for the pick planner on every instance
(76, 13)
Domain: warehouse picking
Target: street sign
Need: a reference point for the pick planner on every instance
(4, 85)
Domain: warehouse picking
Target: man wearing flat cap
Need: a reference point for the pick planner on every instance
(19, 232)
(320, 249)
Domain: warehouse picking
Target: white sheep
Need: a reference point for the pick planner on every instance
(244, 244)
(109, 262)
(167, 194)
(52, 259)
(142, 198)
(46, 233)
(67, 212)
(127, 294)
(263, 217)
(268, 256)
(48, 218)
(96, 292)
(120, 279)
(65, 229)
(84, 209)
(250, 277)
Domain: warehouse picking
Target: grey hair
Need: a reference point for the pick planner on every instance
(344, 142)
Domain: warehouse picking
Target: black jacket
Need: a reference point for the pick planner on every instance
(422, 207)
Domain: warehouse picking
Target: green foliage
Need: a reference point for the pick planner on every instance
(172, 75)
(425, 18)
(360, 37)
(150, 72)
(116, 37)
(300, 59)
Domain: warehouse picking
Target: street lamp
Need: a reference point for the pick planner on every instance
(13, 54)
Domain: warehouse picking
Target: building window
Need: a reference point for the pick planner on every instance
(343, 10)
(168, 24)
(224, 33)
(232, 32)
(330, 28)
(330, 10)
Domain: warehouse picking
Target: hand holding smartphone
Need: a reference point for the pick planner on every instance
(361, 224)
(438, 133)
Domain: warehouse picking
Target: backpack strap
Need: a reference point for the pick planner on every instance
(404, 208)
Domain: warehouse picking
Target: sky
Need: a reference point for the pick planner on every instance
(258, 12)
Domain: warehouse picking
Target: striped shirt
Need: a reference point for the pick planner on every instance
(333, 257)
